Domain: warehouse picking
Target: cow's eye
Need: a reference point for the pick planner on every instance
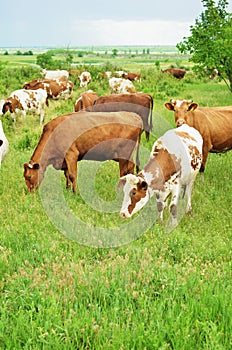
(133, 192)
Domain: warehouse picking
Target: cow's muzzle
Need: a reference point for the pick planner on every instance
(180, 122)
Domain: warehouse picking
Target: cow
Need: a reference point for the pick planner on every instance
(69, 138)
(23, 101)
(55, 74)
(85, 100)
(85, 79)
(139, 103)
(132, 76)
(56, 88)
(121, 86)
(176, 72)
(174, 162)
(213, 123)
(4, 145)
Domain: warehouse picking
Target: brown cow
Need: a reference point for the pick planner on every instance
(132, 76)
(67, 139)
(176, 72)
(85, 100)
(56, 89)
(139, 103)
(213, 123)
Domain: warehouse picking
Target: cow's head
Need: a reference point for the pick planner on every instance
(181, 109)
(32, 174)
(136, 194)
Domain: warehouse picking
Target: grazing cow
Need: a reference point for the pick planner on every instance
(174, 162)
(85, 100)
(213, 123)
(118, 73)
(139, 103)
(23, 101)
(55, 74)
(56, 89)
(69, 138)
(85, 79)
(176, 72)
(4, 145)
(121, 86)
(132, 76)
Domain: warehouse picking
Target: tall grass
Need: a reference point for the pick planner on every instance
(161, 291)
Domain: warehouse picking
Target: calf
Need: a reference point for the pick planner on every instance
(174, 162)
(69, 138)
(23, 101)
(4, 145)
(213, 123)
(85, 100)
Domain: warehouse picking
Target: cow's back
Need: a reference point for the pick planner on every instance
(215, 126)
(82, 131)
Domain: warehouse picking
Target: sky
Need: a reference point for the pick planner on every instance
(68, 23)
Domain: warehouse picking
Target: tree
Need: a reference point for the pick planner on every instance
(210, 43)
(45, 60)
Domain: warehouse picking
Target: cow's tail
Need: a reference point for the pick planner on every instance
(137, 154)
(150, 120)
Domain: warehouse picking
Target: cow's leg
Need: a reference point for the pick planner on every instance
(126, 167)
(71, 161)
(41, 116)
(189, 189)
(160, 207)
(68, 183)
(174, 201)
(205, 151)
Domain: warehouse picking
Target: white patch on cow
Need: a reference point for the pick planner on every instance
(4, 144)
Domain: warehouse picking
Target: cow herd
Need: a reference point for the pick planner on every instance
(109, 128)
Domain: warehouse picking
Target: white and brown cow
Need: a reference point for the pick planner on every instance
(85, 100)
(4, 145)
(174, 162)
(57, 89)
(213, 123)
(121, 86)
(85, 79)
(26, 101)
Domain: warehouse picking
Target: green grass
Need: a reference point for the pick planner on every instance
(162, 291)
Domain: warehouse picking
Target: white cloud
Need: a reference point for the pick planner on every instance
(112, 32)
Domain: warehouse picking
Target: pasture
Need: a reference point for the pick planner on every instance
(147, 288)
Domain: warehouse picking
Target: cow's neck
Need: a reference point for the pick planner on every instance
(159, 170)
(40, 157)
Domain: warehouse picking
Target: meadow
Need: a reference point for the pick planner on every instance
(145, 288)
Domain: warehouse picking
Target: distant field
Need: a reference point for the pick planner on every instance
(162, 290)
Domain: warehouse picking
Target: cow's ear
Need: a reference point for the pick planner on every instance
(143, 185)
(121, 182)
(192, 107)
(169, 106)
(36, 166)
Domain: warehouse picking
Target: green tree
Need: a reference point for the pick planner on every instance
(45, 60)
(210, 43)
